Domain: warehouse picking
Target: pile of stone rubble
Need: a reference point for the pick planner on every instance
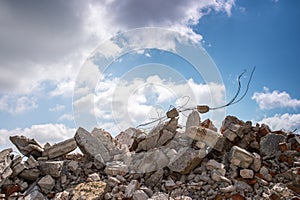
(243, 161)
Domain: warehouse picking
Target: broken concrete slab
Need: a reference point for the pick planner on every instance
(228, 121)
(240, 157)
(256, 165)
(214, 165)
(230, 135)
(90, 145)
(116, 168)
(31, 162)
(209, 125)
(209, 137)
(53, 168)
(185, 161)
(107, 140)
(60, 149)
(149, 161)
(165, 137)
(30, 174)
(17, 169)
(192, 120)
(27, 146)
(269, 144)
(129, 137)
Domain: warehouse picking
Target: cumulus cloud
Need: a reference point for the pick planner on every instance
(66, 117)
(43, 40)
(286, 121)
(127, 103)
(275, 99)
(43, 133)
(17, 104)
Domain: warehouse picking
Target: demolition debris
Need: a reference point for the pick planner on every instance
(242, 161)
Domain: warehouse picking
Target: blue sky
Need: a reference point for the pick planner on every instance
(46, 45)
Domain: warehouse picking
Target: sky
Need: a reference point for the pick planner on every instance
(115, 64)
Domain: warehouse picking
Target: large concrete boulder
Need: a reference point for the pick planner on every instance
(91, 146)
(27, 146)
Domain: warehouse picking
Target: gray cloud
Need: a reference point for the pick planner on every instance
(39, 38)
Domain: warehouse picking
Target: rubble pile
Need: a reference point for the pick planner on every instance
(243, 161)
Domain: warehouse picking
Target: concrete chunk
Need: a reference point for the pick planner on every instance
(246, 173)
(209, 137)
(46, 183)
(140, 195)
(186, 161)
(116, 168)
(192, 120)
(90, 145)
(60, 149)
(52, 168)
(269, 144)
(27, 146)
(240, 157)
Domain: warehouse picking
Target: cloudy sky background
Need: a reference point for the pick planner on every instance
(44, 44)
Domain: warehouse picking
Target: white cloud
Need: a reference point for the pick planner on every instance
(57, 108)
(43, 133)
(45, 43)
(17, 104)
(63, 88)
(130, 103)
(287, 121)
(275, 99)
(51, 40)
(66, 117)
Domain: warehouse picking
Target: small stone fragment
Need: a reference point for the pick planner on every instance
(116, 168)
(73, 165)
(256, 165)
(140, 195)
(283, 146)
(209, 125)
(31, 163)
(230, 135)
(170, 184)
(94, 177)
(246, 173)
(131, 188)
(46, 184)
(62, 195)
(155, 178)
